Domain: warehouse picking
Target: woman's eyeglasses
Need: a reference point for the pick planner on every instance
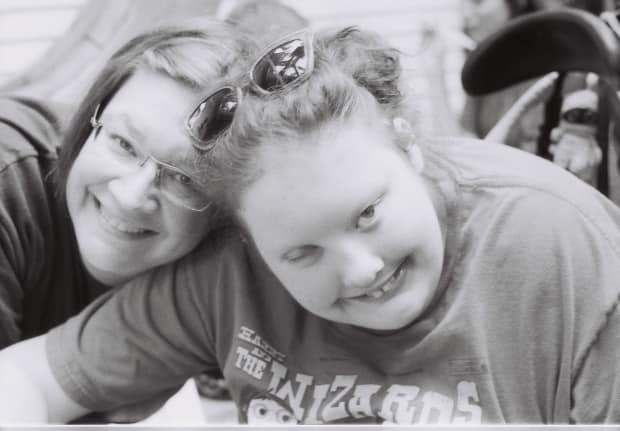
(284, 64)
(175, 184)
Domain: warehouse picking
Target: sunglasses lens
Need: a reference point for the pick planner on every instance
(213, 115)
(281, 66)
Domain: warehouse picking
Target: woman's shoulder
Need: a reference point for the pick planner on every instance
(29, 128)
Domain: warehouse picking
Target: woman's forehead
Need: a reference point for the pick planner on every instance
(156, 128)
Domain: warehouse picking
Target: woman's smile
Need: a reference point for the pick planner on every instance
(121, 224)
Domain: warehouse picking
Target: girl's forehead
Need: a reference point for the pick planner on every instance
(320, 166)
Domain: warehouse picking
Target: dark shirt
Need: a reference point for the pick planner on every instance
(42, 279)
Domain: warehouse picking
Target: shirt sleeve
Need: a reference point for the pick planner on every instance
(597, 386)
(576, 252)
(558, 263)
(28, 138)
(146, 338)
(20, 236)
(595, 270)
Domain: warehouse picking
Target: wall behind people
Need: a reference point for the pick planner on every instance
(66, 66)
(402, 23)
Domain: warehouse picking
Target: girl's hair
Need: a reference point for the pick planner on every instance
(353, 70)
(196, 53)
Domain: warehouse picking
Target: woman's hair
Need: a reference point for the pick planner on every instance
(197, 53)
(354, 71)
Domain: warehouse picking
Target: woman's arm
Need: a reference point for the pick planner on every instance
(29, 392)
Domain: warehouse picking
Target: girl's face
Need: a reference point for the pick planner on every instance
(123, 223)
(347, 224)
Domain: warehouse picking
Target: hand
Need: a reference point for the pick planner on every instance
(574, 148)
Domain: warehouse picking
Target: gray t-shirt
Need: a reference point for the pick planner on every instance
(524, 327)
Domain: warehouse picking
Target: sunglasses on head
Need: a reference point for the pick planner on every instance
(283, 65)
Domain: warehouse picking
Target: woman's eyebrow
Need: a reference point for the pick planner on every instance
(126, 121)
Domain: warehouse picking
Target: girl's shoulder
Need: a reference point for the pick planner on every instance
(496, 176)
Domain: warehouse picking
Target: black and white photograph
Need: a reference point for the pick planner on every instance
(337, 214)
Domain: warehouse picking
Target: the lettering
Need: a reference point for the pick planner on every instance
(436, 409)
(466, 392)
(360, 404)
(249, 335)
(335, 409)
(397, 405)
(286, 392)
(318, 396)
(249, 363)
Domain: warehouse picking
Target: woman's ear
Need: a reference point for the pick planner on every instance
(406, 140)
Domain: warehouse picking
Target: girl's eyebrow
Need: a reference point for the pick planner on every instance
(377, 195)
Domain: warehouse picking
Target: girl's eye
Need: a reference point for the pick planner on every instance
(182, 179)
(300, 254)
(367, 217)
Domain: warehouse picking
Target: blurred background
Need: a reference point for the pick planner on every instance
(50, 45)
(52, 49)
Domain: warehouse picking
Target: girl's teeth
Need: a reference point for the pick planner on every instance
(376, 294)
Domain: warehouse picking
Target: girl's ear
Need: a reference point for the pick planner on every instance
(406, 141)
(415, 157)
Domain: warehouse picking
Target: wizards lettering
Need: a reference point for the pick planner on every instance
(344, 398)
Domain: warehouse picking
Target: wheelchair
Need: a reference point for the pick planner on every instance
(563, 41)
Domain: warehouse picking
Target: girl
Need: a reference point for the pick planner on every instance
(379, 277)
(121, 194)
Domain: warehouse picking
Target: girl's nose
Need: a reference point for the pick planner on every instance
(360, 267)
(136, 190)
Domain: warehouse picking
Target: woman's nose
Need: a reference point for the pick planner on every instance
(360, 267)
(135, 190)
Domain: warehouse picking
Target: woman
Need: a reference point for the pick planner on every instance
(121, 194)
(378, 277)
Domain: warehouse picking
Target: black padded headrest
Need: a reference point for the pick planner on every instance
(535, 44)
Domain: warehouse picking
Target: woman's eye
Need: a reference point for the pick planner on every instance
(125, 146)
(120, 145)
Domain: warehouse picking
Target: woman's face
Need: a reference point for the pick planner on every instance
(123, 223)
(346, 223)
(483, 17)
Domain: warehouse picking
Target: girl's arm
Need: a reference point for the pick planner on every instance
(29, 392)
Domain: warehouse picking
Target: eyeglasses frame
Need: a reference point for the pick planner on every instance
(97, 124)
(306, 35)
